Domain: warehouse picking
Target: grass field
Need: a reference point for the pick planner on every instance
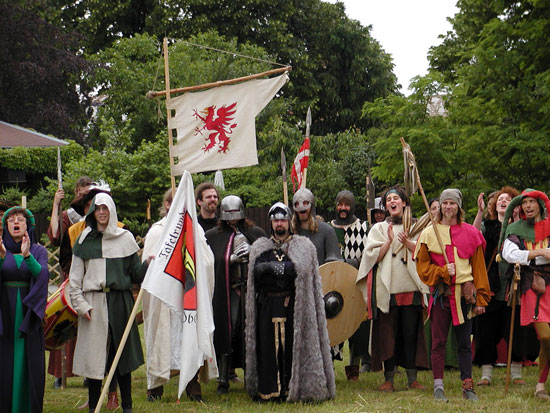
(360, 396)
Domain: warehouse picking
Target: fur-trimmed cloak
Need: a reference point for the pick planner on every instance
(312, 372)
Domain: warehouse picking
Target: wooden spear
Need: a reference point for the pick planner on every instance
(283, 171)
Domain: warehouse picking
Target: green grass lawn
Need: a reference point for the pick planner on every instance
(360, 396)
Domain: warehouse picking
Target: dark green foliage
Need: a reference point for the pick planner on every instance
(41, 73)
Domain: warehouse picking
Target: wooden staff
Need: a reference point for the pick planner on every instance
(283, 171)
(119, 351)
(308, 124)
(369, 195)
(412, 162)
(515, 282)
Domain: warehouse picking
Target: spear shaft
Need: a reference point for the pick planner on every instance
(308, 124)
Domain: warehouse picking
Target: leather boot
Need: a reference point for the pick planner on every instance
(224, 366)
(193, 389)
(352, 373)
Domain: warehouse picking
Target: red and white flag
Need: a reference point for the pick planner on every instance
(299, 165)
(216, 129)
(182, 276)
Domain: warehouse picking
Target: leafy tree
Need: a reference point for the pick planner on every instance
(337, 65)
(40, 73)
(500, 99)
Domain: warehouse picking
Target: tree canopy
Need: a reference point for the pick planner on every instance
(477, 121)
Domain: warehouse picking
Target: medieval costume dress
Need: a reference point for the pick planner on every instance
(464, 246)
(494, 324)
(23, 294)
(226, 302)
(395, 298)
(105, 264)
(287, 344)
(517, 240)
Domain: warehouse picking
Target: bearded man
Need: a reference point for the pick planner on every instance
(352, 238)
(285, 318)
(459, 289)
(526, 242)
(207, 196)
(305, 223)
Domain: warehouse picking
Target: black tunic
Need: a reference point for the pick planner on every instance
(274, 277)
(227, 338)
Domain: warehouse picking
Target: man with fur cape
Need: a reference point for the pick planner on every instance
(285, 318)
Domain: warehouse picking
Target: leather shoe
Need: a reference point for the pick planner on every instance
(387, 387)
(112, 401)
(518, 381)
(416, 386)
(484, 382)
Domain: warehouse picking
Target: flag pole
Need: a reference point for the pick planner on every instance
(308, 124)
(412, 162)
(169, 114)
(124, 338)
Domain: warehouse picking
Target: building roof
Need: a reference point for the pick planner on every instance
(12, 135)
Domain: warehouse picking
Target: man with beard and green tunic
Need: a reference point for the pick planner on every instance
(285, 318)
(104, 266)
(352, 238)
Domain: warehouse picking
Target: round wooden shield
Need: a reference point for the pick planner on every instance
(338, 280)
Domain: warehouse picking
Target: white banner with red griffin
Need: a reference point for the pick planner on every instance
(216, 129)
(182, 276)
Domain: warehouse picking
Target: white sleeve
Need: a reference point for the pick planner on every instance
(512, 253)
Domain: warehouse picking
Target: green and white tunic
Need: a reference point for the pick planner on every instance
(104, 266)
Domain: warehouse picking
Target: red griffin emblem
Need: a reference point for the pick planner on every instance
(220, 125)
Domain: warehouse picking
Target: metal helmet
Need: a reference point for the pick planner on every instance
(232, 208)
(300, 197)
(279, 211)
